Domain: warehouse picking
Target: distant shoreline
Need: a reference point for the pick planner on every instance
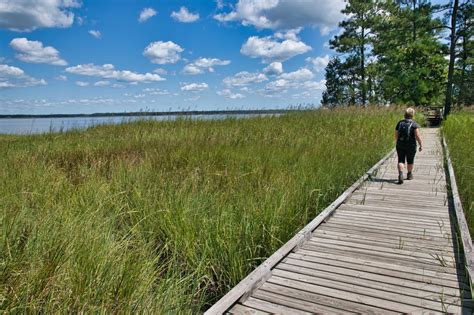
(147, 114)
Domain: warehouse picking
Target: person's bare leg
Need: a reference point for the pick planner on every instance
(400, 167)
(409, 169)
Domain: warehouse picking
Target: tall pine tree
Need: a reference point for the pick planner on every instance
(410, 55)
(354, 41)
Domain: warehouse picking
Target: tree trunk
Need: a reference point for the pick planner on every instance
(362, 68)
(452, 47)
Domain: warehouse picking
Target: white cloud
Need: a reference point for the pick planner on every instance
(184, 16)
(279, 85)
(275, 68)
(82, 83)
(286, 14)
(11, 77)
(61, 78)
(10, 71)
(27, 15)
(155, 91)
(108, 71)
(163, 52)
(245, 78)
(315, 85)
(160, 71)
(220, 4)
(192, 69)
(228, 94)
(34, 52)
(95, 33)
(272, 49)
(198, 66)
(102, 83)
(146, 14)
(319, 63)
(194, 87)
(301, 74)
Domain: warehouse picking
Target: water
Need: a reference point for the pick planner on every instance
(22, 126)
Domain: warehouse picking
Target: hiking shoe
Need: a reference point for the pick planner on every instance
(409, 176)
(400, 180)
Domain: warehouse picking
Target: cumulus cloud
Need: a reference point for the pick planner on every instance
(275, 68)
(155, 91)
(82, 83)
(273, 49)
(286, 14)
(61, 78)
(108, 71)
(11, 77)
(146, 14)
(160, 71)
(200, 65)
(194, 87)
(25, 16)
(245, 78)
(301, 74)
(318, 63)
(228, 94)
(102, 83)
(184, 16)
(95, 33)
(163, 52)
(34, 52)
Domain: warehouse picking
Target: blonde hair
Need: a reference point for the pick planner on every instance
(409, 113)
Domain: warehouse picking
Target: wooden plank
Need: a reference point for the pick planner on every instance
(373, 199)
(259, 275)
(448, 257)
(373, 289)
(461, 219)
(239, 309)
(429, 213)
(399, 213)
(272, 307)
(347, 292)
(381, 257)
(401, 226)
(393, 217)
(392, 221)
(374, 281)
(397, 230)
(399, 242)
(442, 200)
(391, 270)
(395, 191)
(271, 294)
(321, 299)
(394, 284)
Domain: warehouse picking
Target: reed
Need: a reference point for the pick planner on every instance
(459, 133)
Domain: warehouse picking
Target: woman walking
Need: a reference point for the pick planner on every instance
(407, 133)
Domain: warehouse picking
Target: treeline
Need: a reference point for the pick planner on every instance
(399, 51)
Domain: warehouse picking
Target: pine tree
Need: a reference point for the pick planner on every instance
(410, 55)
(355, 41)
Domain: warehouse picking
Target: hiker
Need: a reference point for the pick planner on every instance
(407, 133)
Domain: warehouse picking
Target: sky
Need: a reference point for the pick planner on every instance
(89, 56)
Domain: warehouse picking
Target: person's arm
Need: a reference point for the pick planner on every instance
(418, 138)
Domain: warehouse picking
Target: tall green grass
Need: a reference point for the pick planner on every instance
(459, 132)
(167, 216)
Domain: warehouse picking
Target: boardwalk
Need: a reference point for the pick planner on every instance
(386, 248)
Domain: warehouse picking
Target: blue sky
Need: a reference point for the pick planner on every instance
(73, 56)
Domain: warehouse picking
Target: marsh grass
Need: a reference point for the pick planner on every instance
(459, 133)
(167, 216)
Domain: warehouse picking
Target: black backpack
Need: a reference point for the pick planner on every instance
(404, 130)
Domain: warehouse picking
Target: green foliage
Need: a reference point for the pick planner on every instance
(165, 217)
(459, 133)
(400, 39)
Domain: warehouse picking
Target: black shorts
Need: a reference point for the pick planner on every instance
(406, 154)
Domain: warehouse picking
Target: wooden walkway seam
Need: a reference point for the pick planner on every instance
(379, 248)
